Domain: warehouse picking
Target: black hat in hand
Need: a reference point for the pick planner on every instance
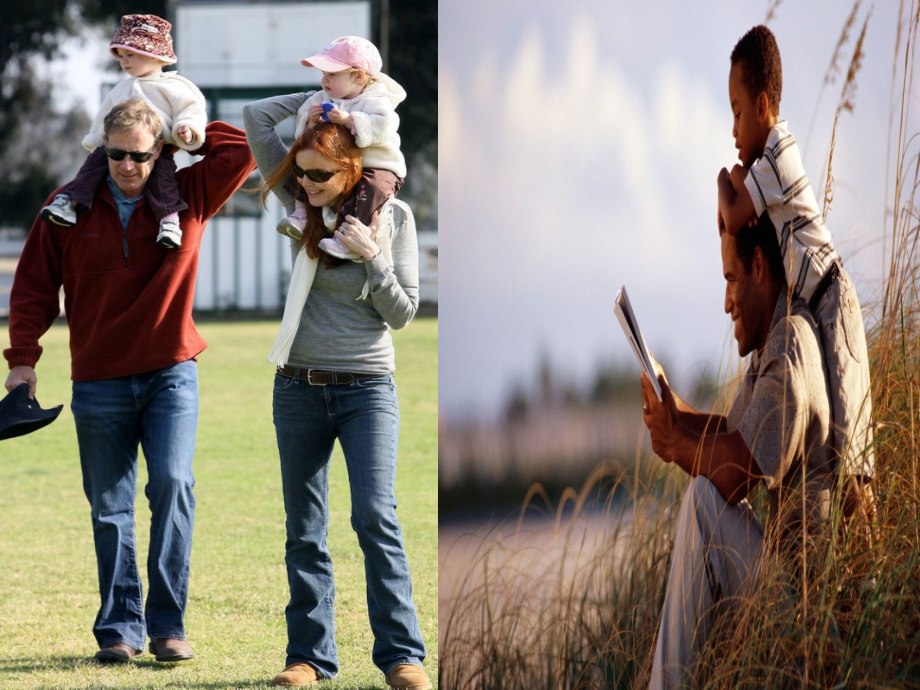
(21, 415)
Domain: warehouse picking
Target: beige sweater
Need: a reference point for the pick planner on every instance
(177, 101)
(374, 122)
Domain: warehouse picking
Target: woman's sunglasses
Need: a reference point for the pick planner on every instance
(136, 156)
(314, 174)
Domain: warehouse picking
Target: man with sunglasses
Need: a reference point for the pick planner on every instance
(133, 347)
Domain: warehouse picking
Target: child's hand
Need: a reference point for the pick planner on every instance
(185, 134)
(736, 177)
(314, 116)
(738, 173)
(339, 117)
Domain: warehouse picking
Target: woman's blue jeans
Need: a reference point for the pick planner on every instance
(364, 416)
(157, 410)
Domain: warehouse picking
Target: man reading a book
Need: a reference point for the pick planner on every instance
(777, 431)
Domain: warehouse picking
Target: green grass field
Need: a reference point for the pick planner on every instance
(235, 617)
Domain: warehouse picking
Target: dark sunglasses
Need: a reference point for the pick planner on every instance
(314, 174)
(136, 156)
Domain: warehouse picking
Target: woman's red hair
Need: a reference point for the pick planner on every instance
(335, 143)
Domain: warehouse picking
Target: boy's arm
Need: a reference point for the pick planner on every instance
(307, 117)
(226, 163)
(735, 204)
(93, 139)
(375, 123)
(189, 110)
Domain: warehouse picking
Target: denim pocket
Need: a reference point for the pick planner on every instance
(374, 381)
(283, 382)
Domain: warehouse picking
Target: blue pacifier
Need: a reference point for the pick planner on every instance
(326, 108)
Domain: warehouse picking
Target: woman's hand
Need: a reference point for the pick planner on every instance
(359, 237)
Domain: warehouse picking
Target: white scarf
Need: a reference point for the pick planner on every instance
(305, 271)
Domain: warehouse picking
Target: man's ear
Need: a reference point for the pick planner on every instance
(759, 266)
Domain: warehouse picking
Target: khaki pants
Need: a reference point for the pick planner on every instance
(716, 557)
(846, 358)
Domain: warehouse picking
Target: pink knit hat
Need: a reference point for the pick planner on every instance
(145, 34)
(345, 52)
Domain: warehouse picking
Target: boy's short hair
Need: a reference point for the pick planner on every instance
(758, 54)
(131, 113)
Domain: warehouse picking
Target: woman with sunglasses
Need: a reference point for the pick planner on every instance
(335, 380)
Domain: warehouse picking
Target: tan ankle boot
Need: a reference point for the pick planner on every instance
(408, 677)
(299, 674)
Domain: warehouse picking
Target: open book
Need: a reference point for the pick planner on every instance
(631, 328)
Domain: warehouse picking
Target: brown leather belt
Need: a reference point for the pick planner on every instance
(316, 377)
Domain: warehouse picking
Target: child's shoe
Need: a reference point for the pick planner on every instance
(170, 235)
(60, 212)
(293, 225)
(338, 249)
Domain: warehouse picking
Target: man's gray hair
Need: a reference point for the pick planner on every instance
(131, 113)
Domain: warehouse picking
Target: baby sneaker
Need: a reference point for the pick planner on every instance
(335, 246)
(170, 235)
(293, 225)
(60, 212)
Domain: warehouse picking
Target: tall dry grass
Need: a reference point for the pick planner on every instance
(579, 608)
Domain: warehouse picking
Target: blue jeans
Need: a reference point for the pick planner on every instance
(364, 416)
(158, 410)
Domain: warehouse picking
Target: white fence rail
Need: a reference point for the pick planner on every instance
(244, 265)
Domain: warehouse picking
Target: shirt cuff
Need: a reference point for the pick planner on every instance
(377, 269)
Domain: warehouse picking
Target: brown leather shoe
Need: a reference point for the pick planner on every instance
(168, 649)
(408, 677)
(117, 653)
(298, 673)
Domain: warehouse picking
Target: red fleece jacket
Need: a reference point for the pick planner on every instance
(128, 301)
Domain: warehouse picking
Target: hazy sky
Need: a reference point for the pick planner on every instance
(579, 144)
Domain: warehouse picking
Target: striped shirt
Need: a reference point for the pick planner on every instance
(778, 185)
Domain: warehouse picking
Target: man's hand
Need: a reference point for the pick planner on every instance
(661, 417)
(185, 134)
(19, 375)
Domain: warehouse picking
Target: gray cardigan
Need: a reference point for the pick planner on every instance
(338, 331)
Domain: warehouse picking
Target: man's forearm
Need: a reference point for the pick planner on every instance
(722, 457)
(698, 422)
